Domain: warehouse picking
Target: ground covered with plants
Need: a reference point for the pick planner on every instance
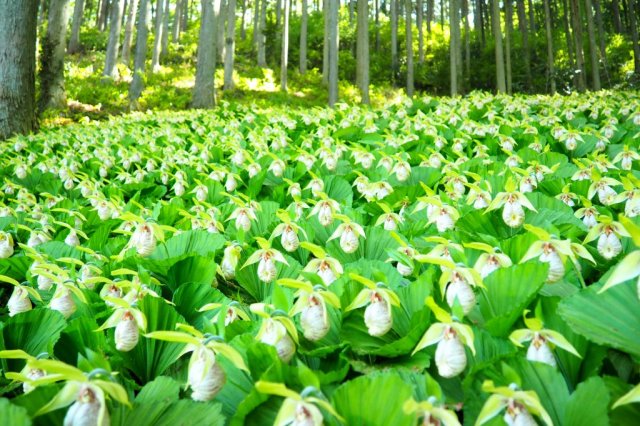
(441, 261)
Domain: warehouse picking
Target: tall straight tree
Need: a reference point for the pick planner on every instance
(419, 17)
(164, 44)
(325, 43)
(74, 40)
(142, 34)
(128, 31)
(567, 34)
(102, 16)
(175, 32)
(551, 72)
(221, 18)
(262, 29)
(52, 91)
(376, 5)
(454, 41)
(362, 56)
(256, 19)
(467, 40)
(409, 46)
(204, 90)
(577, 40)
(601, 36)
(333, 51)
(615, 11)
(113, 45)
(634, 37)
(284, 54)
(157, 41)
(593, 46)
(508, 23)
(18, 29)
(231, 45)
(524, 34)
(501, 85)
(303, 37)
(393, 4)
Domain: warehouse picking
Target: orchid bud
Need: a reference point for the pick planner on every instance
(72, 239)
(19, 302)
(609, 245)
(289, 239)
(275, 334)
(451, 358)
(460, 289)
(6, 245)
(206, 378)
(377, 316)
(144, 240)
(127, 333)
(540, 351)
(230, 262)
(314, 321)
(349, 240)
(86, 410)
(230, 184)
(513, 214)
(267, 271)
(326, 273)
(63, 302)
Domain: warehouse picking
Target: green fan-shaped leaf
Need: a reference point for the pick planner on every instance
(34, 331)
(588, 404)
(78, 336)
(13, 415)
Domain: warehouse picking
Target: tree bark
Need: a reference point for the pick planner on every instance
(284, 54)
(409, 47)
(362, 57)
(256, 19)
(111, 57)
(568, 36)
(102, 16)
(394, 40)
(243, 17)
(593, 47)
(551, 72)
(164, 49)
(325, 43)
(601, 36)
(18, 29)
(142, 34)
(204, 90)
(634, 37)
(74, 40)
(333, 51)
(508, 23)
(615, 9)
(52, 91)
(221, 19)
(157, 42)
(128, 32)
(419, 16)
(454, 24)
(177, 18)
(303, 37)
(262, 61)
(501, 85)
(481, 16)
(524, 34)
(577, 39)
(467, 41)
(377, 23)
(230, 43)
(532, 17)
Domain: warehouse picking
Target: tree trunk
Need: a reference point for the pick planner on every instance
(352, 8)
(508, 22)
(577, 38)
(467, 41)
(284, 54)
(221, 19)
(567, 34)
(419, 7)
(256, 19)
(377, 23)
(128, 32)
(303, 37)
(532, 17)
(243, 18)
(157, 41)
(362, 57)
(142, 33)
(326, 8)
(593, 47)
(177, 18)
(164, 50)
(454, 24)
(204, 90)
(617, 23)
(430, 12)
(409, 46)
(551, 72)
(394, 40)
(113, 46)
(230, 43)
(74, 40)
(481, 21)
(18, 29)
(333, 51)
(524, 33)
(102, 17)
(601, 37)
(52, 91)
(634, 37)
(262, 28)
(501, 86)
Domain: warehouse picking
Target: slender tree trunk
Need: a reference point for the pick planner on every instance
(481, 16)
(18, 29)
(186, 15)
(524, 33)
(243, 18)
(52, 91)
(256, 20)
(601, 38)
(409, 46)
(113, 46)
(467, 41)
(262, 61)
(177, 18)
(377, 23)
(394, 40)
(204, 90)
(303, 37)
(278, 12)
(617, 23)
(333, 51)
(532, 17)
(221, 19)
(142, 34)
(102, 17)
(230, 45)
(430, 14)
(128, 32)
(326, 9)
(419, 7)
(593, 47)
(568, 36)
(362, 57)
(634, 37)
(74, 40)
(284, 55)
(352, 7)
(497, 35)
(454, 27)
(551, 72)
(508, 22)
(577, 38)
(164, 49)
(157, 42)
